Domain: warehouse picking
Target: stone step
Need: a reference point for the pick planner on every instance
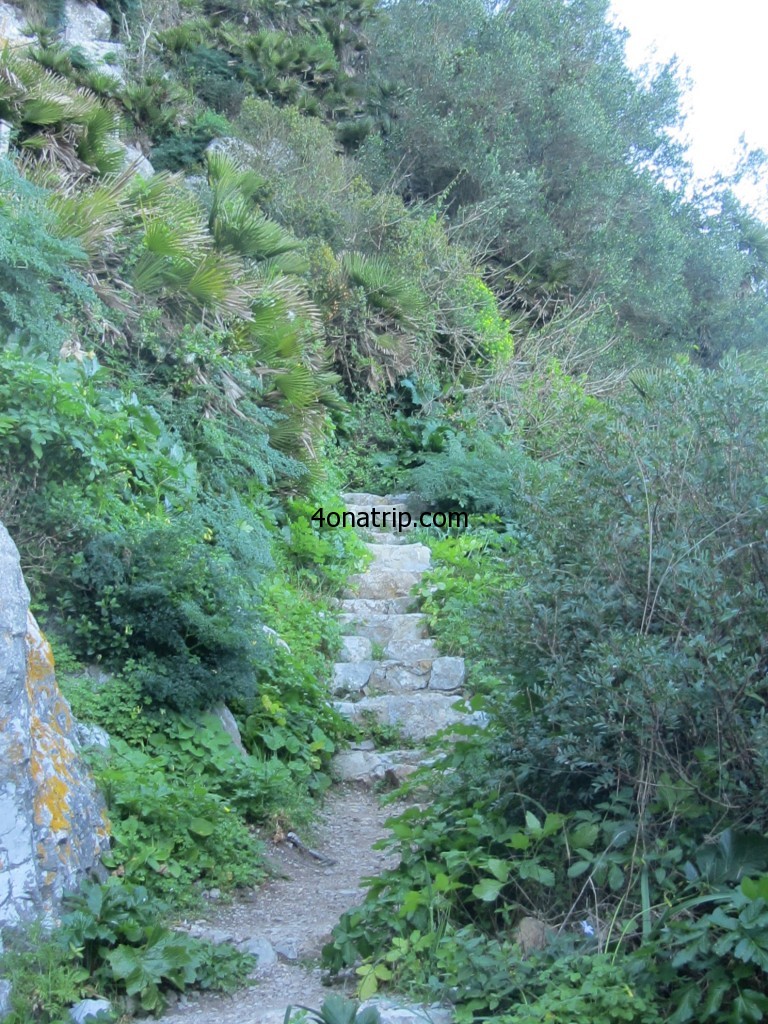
(399, 556)
(350, 678)
(387, 538)
(365, 498)
(381, 583)
(382, 628)
(441, 675)
(374, 606)
(369, 767)
(411, 652)
(355, 648)
(360, 679)
(417, 715)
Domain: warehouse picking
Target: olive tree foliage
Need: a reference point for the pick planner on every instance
(551, 154)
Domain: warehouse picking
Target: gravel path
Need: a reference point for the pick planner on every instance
(296, 913)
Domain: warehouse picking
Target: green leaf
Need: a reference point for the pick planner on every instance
(536, 872)
(201, 826)
(533, 824)
(498, 868)
(578, 868)
(487, 890)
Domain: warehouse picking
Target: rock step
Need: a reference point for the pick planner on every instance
(376, 606)
(384, 627)
(368, 678)
(417, 715)
(386, 538)
(355, 649)
(382, 583)
(371, 766)
(399, 556)
(380, 505)
(364, 498)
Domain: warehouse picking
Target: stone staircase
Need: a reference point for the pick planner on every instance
(390, 669)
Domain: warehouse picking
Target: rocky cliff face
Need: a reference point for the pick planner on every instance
(53, 825)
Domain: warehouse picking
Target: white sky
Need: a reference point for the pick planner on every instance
(724, 47)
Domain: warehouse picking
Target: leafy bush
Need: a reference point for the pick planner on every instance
(480, 473)
(45, 980)
(125, 950)
(42, 293)
(111, 941)
(171, 831)
(175, 602)
(598, 989)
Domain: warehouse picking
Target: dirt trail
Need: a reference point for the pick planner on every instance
(296, 913)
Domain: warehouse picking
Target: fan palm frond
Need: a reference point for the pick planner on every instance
(93, 215)
(270, 286)
(385, 287)
(241, 228)
(298, 386)
(214, 285)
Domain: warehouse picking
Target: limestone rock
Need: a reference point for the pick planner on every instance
(351, 676)
(85, 23)
(395, 677)
(13, 26)
(54, 822)
(412, 651)
(383, 583)
(223, 715)
(384, 628)
(355, 648)
(135, 160)
(447, 674)
(361, 606)
(237, 149)
(89, 28)
(5, 997)
(90, 736)
(417, 715)
(262, 949)
(370, 767)
(400, 555)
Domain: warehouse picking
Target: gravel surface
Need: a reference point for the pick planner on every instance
(296, 913)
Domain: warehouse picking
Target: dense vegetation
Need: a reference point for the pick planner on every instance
(487, 277)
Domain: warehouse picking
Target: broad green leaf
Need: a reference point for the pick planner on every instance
(487, 890)
(533, 824)
(578, 868)
(201, 826)
(498, 868)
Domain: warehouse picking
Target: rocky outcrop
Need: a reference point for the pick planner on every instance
(85, 26)
(53, 825)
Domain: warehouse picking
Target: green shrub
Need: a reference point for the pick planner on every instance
(42, 294)
(126, 951)
(478, 472)
(45, 979)
(171, 831)
(174, 601)
(599, 989)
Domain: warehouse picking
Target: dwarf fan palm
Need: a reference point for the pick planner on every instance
(55, 120)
